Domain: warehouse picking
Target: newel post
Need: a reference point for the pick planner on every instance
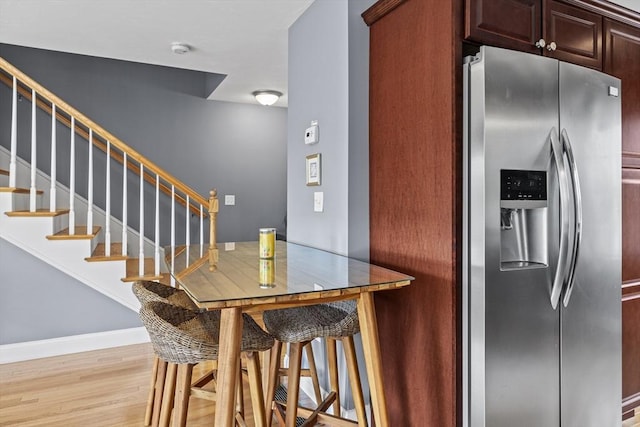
(213, 214)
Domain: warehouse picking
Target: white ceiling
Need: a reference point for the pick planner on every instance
(244, 39)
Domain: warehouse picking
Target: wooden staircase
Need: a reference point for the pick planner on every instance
(67, 229)
(129, 264)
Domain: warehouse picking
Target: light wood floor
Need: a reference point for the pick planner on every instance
(98, 388)
(633, 422)
(103, 388)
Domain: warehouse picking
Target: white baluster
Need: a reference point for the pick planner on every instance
(201, 233)
(188, 231)
(157, 231)
(173, 234)
(32, 189)
(14, 134)
(90, 186)
(52, 190)
(72, 179)
(141, 236)
(107, 195)
(125, 209)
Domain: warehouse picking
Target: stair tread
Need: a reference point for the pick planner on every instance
(81, 233)
(38, 213)
(133, 274)
(98, 254)
(18, 190)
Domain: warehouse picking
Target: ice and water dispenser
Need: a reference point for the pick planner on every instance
(523, 219)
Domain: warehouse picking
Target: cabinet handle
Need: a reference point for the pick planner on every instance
(541, 43)
(551, 46)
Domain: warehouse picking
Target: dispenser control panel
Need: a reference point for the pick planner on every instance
(523, 185)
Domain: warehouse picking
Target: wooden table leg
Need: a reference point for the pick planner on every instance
(228, 359)
(369, 332)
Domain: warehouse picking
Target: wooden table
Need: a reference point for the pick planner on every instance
(301, 276)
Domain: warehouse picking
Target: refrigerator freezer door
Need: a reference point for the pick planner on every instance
(513, 331)
(590, 324)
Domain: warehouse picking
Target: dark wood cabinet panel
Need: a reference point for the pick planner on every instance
(631, 225)
(415, 67)
(513, 24)
(622, 59)
(576, 33)
(631, 283)
(631, 343)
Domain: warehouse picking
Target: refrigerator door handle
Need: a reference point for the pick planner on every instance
(577, 216)
(561, 268)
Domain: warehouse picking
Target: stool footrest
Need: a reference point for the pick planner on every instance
(312, 417)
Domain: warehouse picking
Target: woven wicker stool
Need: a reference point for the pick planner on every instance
(298, 326)
(183, 338)
(147, 291)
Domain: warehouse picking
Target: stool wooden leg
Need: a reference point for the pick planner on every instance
(272, 385)
(354, 378)
(332, 356)
(255, 389)
(183, 391)
(152, 388)
(159, 389)
(314, 372)
(168, 395)
(293, 383)
(239, 393)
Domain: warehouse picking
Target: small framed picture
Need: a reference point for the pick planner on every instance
(313, 169)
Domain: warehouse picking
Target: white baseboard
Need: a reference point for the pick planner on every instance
(18, 352)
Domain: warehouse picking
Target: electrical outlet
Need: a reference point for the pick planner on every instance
(229, 199)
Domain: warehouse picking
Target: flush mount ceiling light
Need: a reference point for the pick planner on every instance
(180, 48)
(267, 97)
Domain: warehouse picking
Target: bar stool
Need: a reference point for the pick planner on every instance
(184, 338)
(300, 325)
(147, 291)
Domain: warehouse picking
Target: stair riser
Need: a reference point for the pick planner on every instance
(22, 202)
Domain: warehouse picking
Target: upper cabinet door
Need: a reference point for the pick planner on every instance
(622, 59)
(573, 35)
(512, 24)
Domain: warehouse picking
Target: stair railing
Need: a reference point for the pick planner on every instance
(97, 138)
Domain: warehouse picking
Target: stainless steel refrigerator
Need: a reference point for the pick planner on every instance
(541, 243)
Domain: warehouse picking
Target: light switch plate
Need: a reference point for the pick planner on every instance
(229, 199)
(318, 201)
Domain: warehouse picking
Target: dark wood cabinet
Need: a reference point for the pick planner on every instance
(630, 288)
(577, 34)
(622, 59)
(569, 33)
(512, 24)
(416, 49)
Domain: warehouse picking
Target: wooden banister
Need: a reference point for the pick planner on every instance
(151, 169)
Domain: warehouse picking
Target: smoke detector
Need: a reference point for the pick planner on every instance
(180, 48)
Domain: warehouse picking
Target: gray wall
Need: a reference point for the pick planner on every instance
(328, 82)
(161, 112)
(40, 302)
